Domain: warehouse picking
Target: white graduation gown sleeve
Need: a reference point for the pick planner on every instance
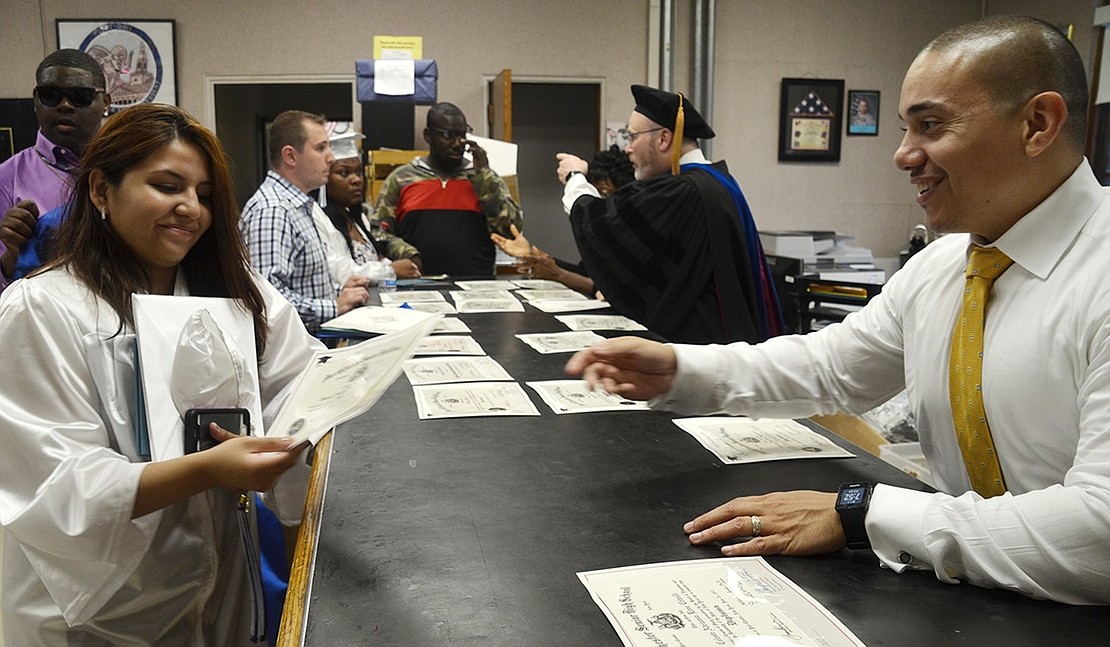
(69, 495)
(340, 263)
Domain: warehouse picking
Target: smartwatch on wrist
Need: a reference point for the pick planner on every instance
(852, 502)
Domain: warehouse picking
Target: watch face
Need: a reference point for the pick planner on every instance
(852, 496)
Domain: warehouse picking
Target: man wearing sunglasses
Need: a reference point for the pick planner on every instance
(446, 206)
(70, 103)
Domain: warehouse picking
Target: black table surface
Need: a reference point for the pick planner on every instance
(470, 531)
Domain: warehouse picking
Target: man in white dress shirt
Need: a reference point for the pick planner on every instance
(995, 115)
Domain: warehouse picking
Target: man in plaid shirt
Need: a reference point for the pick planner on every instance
(277, 223)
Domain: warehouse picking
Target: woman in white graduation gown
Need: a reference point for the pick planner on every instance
(102, 547)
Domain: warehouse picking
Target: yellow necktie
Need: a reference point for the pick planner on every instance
(965, 372)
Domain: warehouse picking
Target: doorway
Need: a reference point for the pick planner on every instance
(550, 116)
(243, 107)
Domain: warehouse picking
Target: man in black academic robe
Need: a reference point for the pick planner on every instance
(677, 250)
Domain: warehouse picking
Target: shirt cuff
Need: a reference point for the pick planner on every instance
(576, 187)
(327, 311)
(697, 380)
(894, 527)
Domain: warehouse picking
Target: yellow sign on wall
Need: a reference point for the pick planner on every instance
(399, 47)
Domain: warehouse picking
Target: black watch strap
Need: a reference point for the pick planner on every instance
(852, 503)
(572, 174)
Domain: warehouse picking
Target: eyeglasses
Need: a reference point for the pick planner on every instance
(52, 95)
(452, 135)
(633, 135)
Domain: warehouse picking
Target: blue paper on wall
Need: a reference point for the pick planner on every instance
(425, 75)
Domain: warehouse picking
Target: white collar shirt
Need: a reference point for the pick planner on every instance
(1046, 388)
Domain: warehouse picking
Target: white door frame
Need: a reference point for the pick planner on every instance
(211, 81)
(601, 82)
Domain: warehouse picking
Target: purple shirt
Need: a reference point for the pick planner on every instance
(42, 173)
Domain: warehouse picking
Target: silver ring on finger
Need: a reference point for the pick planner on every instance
(757, 526)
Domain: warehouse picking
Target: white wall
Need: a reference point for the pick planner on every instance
(868, 43)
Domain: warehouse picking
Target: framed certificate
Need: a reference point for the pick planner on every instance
(810, 120)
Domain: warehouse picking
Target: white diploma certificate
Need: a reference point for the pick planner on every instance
(437, 307)
(575, 396)
(564, 305)
(485, 293)
(485, 284)
(449, 345)
(599, 322)
(560, 342)
(744, 440)
(410, 297)
(473, 400)
(437, 370)
(493, 303)
(339, 384)
(735, 601)
(538, 284)
(451, 325)
(551, 295)
(375, 320)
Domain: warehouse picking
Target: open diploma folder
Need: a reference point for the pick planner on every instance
(339, 384)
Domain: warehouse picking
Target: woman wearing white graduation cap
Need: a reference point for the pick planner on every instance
(345, 229)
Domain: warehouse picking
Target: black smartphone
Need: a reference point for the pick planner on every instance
(197, 435)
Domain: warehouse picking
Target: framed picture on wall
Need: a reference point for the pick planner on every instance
(137, 56)
(810, 120)
(863, 112)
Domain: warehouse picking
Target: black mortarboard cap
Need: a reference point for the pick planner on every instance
(662, 108)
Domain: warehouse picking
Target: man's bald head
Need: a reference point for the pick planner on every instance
(1016, 58)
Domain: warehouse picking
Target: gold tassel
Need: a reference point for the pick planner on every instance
(676, 144)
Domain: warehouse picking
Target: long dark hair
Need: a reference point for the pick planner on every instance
(341, 218)
(217, 266)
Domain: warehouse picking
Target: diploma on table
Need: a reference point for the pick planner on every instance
(567, 305)
(449, 345)
(451, 325)
(599, 322)
(437, 307)
(440, 370)
(575, 396)
(745, 440)
(340, 384)
(486, 301)
(484, 285)
(368, 321)
(560, 342)
(472, 400)
(410, 297)
(561, 294)
(736, 601)
(538, 284)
